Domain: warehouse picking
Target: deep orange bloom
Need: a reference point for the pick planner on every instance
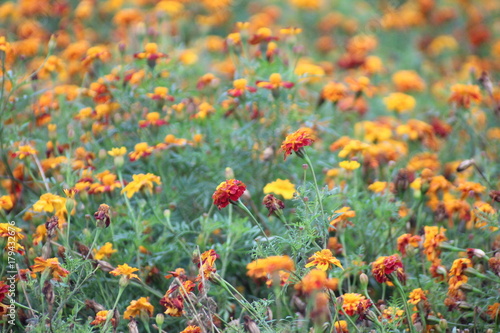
(416, 296)
(228, 191)
(324, 260)
(125, 270)
(384, 266)
(303, 137)
(51, 264)
(433, 237)
(463, 94)
(316, 280)
(494, 311)
(100, 318)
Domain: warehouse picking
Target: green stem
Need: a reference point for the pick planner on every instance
(319, 199)
(242, 206)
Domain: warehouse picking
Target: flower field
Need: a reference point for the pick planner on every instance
(250, 166)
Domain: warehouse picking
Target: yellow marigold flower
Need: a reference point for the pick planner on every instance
(392, 314)
(290, 31)
(441, 44)
(433, 236)
(355, 304)
(24, 151)
(400, 102)
(406, 240)
(308, 72)
(6, 202)
(141, 182)
(125, 270)
(416, 296)
(324, 260)
(407, 80)
(51, 264)
(137, 307)
(352, 148)
(172, 8)
(40, 234)
(349, 165)
(282, 187)
(377, 187)
(104, 251)
(262, 268)
(115, 152)
(6, 230)
(49, 202)
(463, 94)
(306, 4)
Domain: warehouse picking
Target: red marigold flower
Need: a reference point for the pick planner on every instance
(353, 303)
(227, 192)
(272, 204)
(296, 141)
(384, 266)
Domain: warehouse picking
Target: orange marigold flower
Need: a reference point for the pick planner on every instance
(349, 165)
(433, 236)
(125, 270)
(296, 141)
(406, 240)
(6, 202)
(152, 119)
(316, 280)
(400, 102)
(141, 182)
(384, 266)
(333, 92)
(353, 304)
(416, 296)
(51, 264)
(341, 326)
(407, 80)
(192, 329)
(494, 311)
(392, 314)
(343, 216)
(206, 263)
(324, 260)
(8, 230)
(239, 88)
(274, 82)
(137, 307)
(100, 318)
(262, 268)
(141, 149)
(463, 94)
(227, 192)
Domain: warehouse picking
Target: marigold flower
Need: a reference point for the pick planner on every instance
(407, 80)
(227, 192)
(282, 187)
(324, 260)
(378, 187)
(141, 182)
(141, 149)
(349, 165)
(7, 230)
(494, 311)
(416, 296)
(463, 94)
(272, 204)
(274, 82)
(344, 214)
(353, 304)
(341, 326)
(296, 141)
(150, 53)
(137, 307)
(400, 102)
(239, 88)
(104, 251)
(152, 119)
(108, 182)
(24, 151)
(392, 314)
(406, 240)
(192, 329)
(316, 280)
(50, 264)
(384, 266)
(126, 271)
(433, 236)
(6, 202)
(333, 92)
(262, 268)
(100, 318)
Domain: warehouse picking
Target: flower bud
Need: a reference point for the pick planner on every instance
(160, 319)
(229, 173)
(363, 279)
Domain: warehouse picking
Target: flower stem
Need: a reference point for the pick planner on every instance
(319, 199)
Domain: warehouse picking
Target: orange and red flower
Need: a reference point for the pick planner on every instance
(296, 141)
(227, 192)
(385, 266)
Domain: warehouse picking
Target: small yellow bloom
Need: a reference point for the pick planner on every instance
(323, 260)
(281, 187)
(400, 102)
(104, 251)
(115, 152)
(125, 270)
(349, 165)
